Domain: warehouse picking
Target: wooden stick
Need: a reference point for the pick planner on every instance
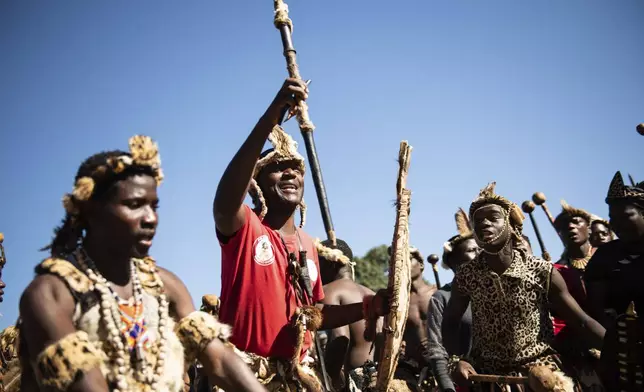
(497, 379)
(399, 285)
(284, 24)
(540, 199)
(528, 207)
(433, 260)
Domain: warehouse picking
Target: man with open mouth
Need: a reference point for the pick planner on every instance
(511, 293)
(271, 290)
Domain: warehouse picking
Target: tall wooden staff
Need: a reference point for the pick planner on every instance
(540, 199)
(284, 24)
(399, 284)
(433, 260)
(528, 207)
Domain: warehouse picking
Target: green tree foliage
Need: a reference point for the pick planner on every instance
(371, 269)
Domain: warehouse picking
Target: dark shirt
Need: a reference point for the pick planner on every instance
(620, 273)
(437, 355)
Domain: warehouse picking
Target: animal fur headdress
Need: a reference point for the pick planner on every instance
(284, 149)
(144, 153)
(569, 211)
(620, 192)
(513, 212)
(464, 228)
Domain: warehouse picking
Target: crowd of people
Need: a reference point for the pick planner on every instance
(102, 315)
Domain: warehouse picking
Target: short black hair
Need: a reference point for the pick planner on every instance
(340, 245)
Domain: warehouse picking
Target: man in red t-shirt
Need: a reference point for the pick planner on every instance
(261, 247)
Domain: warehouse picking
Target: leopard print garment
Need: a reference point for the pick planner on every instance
(511, 325)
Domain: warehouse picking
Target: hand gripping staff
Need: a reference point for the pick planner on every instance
(284, 24)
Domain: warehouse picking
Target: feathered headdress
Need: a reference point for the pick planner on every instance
(464, 228)
(284, 149)
(617, 191)
(570, 211)
(144, 152)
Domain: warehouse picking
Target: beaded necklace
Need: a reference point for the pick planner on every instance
(125, 339)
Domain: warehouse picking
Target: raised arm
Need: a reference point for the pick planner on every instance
(46, 310)
(568, 309)
(227, 206)
(219, 362)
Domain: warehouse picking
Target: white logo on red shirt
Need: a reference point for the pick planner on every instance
(263, 251)
(313, 271)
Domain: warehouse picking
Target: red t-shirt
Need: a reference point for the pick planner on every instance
(257, 297)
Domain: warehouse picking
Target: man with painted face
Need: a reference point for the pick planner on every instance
(271, 287)
(600, 233)
(510, 293)
(614, 281)
(101, 314)
(457, 251)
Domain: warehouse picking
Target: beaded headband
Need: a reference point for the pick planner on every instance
(334, 255)
(617, 191)
(144, 152)
(284, 149)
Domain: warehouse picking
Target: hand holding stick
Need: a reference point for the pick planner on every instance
(528, 207)
(285, 25)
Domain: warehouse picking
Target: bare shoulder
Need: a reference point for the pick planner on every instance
(46, 292)
(46, 311)
(181, 304)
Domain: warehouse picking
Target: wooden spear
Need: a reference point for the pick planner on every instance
(528, 207)
(540, 199)
(284, 24)
(433, 260)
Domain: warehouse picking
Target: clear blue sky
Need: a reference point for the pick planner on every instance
(539, 96)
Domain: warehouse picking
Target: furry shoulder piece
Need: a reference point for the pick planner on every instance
(62, 363)
(9, 339)
(149, 275)
(568, 210)
(76, 280)
(488, 196)
(198, 329)
(617, 191)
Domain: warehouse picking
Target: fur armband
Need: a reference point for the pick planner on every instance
(63, 363)
(198, 329)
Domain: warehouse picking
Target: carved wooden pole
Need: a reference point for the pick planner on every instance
(528, 207)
